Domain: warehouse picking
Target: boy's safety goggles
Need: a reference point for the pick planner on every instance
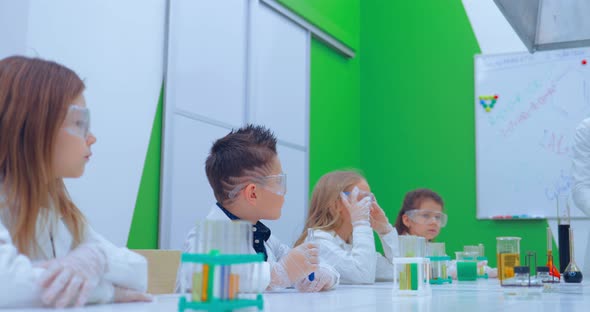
(276, 184)
(427, 216)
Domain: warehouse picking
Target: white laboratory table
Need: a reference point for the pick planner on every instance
(483, 295)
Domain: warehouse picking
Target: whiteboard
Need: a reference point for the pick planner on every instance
(524, 140)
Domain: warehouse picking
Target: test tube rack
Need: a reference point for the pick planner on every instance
(411, 276)
(442, 263)
(211, 260)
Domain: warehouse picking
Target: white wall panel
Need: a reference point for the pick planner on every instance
(279, 74)
(13, 27)
(207, 58)
(189, 196)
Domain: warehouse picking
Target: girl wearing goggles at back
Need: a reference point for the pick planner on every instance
(421, 214)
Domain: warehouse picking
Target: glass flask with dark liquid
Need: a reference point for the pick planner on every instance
(572, 273)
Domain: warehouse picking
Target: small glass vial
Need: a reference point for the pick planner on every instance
(521, 275)
(543, 274)
(545, 278)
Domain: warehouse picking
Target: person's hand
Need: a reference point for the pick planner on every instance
(295, 265)
(379, 221)
(358, 209)
(130, 295)
(69, 280)
(324, 279)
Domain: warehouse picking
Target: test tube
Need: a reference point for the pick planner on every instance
(310, 238)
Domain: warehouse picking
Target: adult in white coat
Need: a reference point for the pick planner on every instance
(49, 255)
(246, 176)
(343, 214)
(581, 177)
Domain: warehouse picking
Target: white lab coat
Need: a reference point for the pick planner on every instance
(581, 177)
(274, 250)
(19, 277)
(358, 262)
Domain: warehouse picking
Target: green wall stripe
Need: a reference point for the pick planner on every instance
(339, 18)
(334, 112)
(144, 226)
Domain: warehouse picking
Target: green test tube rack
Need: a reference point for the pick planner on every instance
(439, 263)
(213, 259)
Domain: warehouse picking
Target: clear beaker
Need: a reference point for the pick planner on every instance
(466, 265)
(411, 269)
(412, 246)
(508, 253)
(481, 258)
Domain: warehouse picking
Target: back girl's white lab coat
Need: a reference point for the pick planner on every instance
(358, 262)
(19, 277)
(581, 177)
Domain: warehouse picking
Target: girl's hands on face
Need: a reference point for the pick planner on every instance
(379, 221)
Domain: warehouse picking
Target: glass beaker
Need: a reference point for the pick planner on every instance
(508, 253)
(412, 246)
(466, 265)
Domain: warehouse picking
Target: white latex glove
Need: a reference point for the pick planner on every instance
(325, 279)
(492, 272)
(452, 269)
(379, 221)
(70, 280)
(295, 265)
(130, 295)
(359, 209)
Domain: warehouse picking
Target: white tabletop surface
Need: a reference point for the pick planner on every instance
(483, 295)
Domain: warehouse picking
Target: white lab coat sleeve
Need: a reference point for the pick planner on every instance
(355, 266)
(581, 167)
(124, 267)
(390, 243)
(275, 249)
(19, 279)
(183, 276)
(581, 177)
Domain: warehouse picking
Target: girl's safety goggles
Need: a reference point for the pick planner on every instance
(427, 216)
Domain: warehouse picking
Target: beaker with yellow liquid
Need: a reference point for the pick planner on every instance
(508, 253)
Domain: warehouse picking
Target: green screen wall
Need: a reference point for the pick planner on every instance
(335, 116)
(417, 121)
(143, 233)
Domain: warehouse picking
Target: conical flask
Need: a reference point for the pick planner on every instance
(572, 273)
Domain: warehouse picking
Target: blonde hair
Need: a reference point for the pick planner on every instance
(34, 97)
(323, 212)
